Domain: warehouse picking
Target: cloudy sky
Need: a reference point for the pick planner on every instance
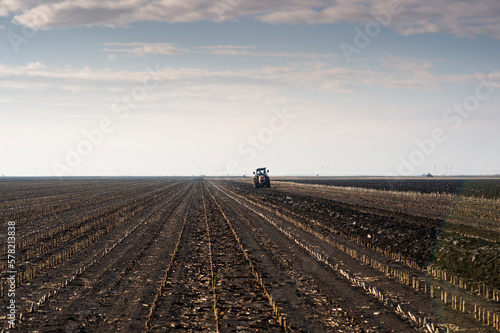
(171, 87)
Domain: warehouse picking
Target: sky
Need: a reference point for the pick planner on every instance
(204, 87)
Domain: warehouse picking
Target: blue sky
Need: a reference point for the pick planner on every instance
(142, 87)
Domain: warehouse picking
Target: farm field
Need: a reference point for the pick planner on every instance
(215, 254)
(487, 187)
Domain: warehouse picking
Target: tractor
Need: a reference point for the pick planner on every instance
(261, 178)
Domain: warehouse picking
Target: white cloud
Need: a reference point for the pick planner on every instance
(68, 104)
(457, 17)
(229, 49)
(76, 88)
(237, 50)
(22, 84)
(492, 78)
(7, 7)
(342, 11)
(394, 73)
(139, 49)
(460, 18)
(78, 13)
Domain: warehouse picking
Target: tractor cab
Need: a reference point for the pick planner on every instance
(260, 171)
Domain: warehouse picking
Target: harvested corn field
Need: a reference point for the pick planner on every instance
(217, 255)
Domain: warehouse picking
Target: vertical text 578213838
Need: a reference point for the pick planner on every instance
(12, 272)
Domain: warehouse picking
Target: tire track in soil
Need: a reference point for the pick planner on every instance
(242, 303)
(82, 305)
(186, 302)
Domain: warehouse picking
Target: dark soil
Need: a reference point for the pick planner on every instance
(487, 187)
